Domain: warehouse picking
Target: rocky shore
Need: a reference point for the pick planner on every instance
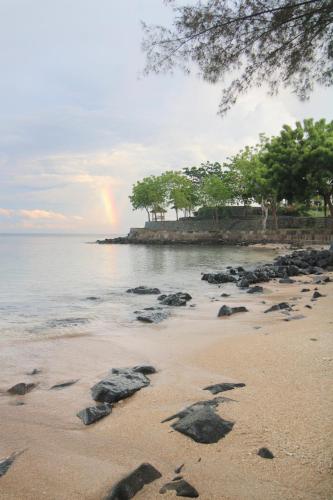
(277, 372)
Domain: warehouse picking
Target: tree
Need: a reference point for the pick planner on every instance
(180, 192)
(253, 180)
(317, 161)
(283, 43)
(198, 174)
(216, 193)
(148, 194)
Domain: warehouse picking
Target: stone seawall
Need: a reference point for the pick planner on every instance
(242, 224)
(231, 236)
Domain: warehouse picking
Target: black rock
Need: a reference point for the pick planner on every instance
(226, 386)
(129, 486)
(153, 317)
(119, 386)
(175, 299)
(255, 289)
(225, 294)
(179, 469)
(145, 369)
(177, 478)
(21, 388)
(308, 306)
(200, 422)
(6, 463)
(265, 453)
(215, 278)
(279, 307)
(93, 413)
(228, 311)
(144, 290)
(204, 426)
(182, 489)
(35, 371)
(93, 298)
(64, 384)
(305, 290)
(317, 295)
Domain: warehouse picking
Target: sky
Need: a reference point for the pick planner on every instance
(79, 124)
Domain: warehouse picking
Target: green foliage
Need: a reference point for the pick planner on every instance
(282, 43)
(148, 194)
(295, 167)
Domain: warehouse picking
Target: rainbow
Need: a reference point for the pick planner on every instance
(109, 205)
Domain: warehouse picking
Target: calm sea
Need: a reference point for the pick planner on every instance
(48, 281)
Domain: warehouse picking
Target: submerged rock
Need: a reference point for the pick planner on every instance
(279, 307)
(153, 317)
(21, 388)
(225, 294)
(228, 311)
(200, 422)
(287, 281)
(297, 316)
(144, 290)
(129, 486)
(305, 290)
(265, 453)
(175, 299)
(93, 413)
(181, 487)
(255, 289)
(68, 383)
(35, 371)
(226, 386)
(117, 386)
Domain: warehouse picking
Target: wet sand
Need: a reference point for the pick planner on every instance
(286, 404)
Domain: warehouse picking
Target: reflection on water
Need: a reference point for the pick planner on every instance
(62, 284)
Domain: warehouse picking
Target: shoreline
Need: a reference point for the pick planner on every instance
(285, 405)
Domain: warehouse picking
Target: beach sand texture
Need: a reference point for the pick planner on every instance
(286, 405)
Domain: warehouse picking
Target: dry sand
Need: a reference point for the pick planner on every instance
(285, 406)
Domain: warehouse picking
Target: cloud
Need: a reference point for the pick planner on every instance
(5, 212)
(41, 214)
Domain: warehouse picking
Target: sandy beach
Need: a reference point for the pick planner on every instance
(286, 405)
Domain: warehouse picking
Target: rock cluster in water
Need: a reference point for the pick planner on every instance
(175, 299)
(297, 263)
(144, 290)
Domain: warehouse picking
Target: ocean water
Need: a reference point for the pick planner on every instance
(58, 285)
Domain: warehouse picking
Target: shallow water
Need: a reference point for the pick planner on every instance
(59, 285)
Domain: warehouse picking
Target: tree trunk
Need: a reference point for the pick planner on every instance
(325, 206)
(176, 209)
(264, 209)
(275, 218)
(216, 215)
(147, 210)
(328, 202)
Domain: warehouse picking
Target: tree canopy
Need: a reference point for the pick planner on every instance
(296, 166)
(282, 43)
